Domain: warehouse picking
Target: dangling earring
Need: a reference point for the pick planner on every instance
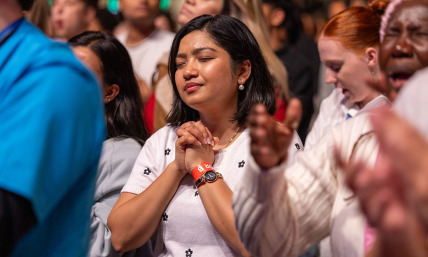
(241, 87)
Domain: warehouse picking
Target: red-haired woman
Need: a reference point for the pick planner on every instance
(348, 47)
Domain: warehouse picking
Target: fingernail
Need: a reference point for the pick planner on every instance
(209, 141)
(205, 141)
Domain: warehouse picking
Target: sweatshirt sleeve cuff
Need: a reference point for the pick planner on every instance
(262, 182)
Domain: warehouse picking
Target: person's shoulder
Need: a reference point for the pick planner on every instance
(37, 45)
(55, 59)
(163, 135)
(163, 37)
(57, 56)
(165, 131)
(119, 148)
(358, 125)
(165, 34)
(67, 81)
(62, 83)
(122, 37)
(122, 142)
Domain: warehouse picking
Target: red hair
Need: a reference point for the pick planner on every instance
(357, 28)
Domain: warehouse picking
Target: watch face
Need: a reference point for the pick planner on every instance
(210, 176)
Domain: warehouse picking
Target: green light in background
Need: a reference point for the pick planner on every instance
(165, 4)
(113, 5)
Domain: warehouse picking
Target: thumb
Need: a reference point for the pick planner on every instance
(294, 114)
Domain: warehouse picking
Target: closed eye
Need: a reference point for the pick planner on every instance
(422, 34)
(179, 65)
(334, 65)
(205, 59)
(392, 32)
(335, 68)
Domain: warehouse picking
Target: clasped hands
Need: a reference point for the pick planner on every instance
(269, 139)
(194, 145)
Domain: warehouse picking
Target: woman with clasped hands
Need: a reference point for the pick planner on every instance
(183, 179)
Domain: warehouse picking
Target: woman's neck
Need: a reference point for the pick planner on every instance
(9, 13)
(137, 33)
(220, 126)
(373, 95)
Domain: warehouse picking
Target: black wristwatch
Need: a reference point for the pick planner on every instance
(208, 177)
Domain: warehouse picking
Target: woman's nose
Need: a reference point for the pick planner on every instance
(330, 76)
(190, 70)
(402, 47)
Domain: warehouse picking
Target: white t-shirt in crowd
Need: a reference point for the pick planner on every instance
(146, 55)
(185, 229)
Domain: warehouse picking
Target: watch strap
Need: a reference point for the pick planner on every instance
(200, 170)
(202, 180)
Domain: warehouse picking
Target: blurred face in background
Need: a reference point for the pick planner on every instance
(195, 8)
(139, 10)
(404, 49)
(71, 17)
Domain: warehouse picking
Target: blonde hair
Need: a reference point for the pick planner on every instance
(39, 15)
(249, 12)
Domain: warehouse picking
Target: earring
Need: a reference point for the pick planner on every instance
(241, 87)
(107, 99)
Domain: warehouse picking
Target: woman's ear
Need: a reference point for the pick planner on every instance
(371, 57)
(244, 72)
(110, 92)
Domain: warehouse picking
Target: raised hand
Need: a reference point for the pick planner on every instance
(383, 198)
(407, 150)
(269, 139)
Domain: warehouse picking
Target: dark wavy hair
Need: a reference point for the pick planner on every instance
(123, 114)
(236, 39)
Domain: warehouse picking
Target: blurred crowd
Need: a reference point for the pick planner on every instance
(213, 128)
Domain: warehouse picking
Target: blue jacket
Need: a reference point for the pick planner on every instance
(52, 129)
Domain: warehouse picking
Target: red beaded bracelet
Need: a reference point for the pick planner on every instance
(200, 170)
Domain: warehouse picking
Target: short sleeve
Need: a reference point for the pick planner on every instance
(157, 153)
